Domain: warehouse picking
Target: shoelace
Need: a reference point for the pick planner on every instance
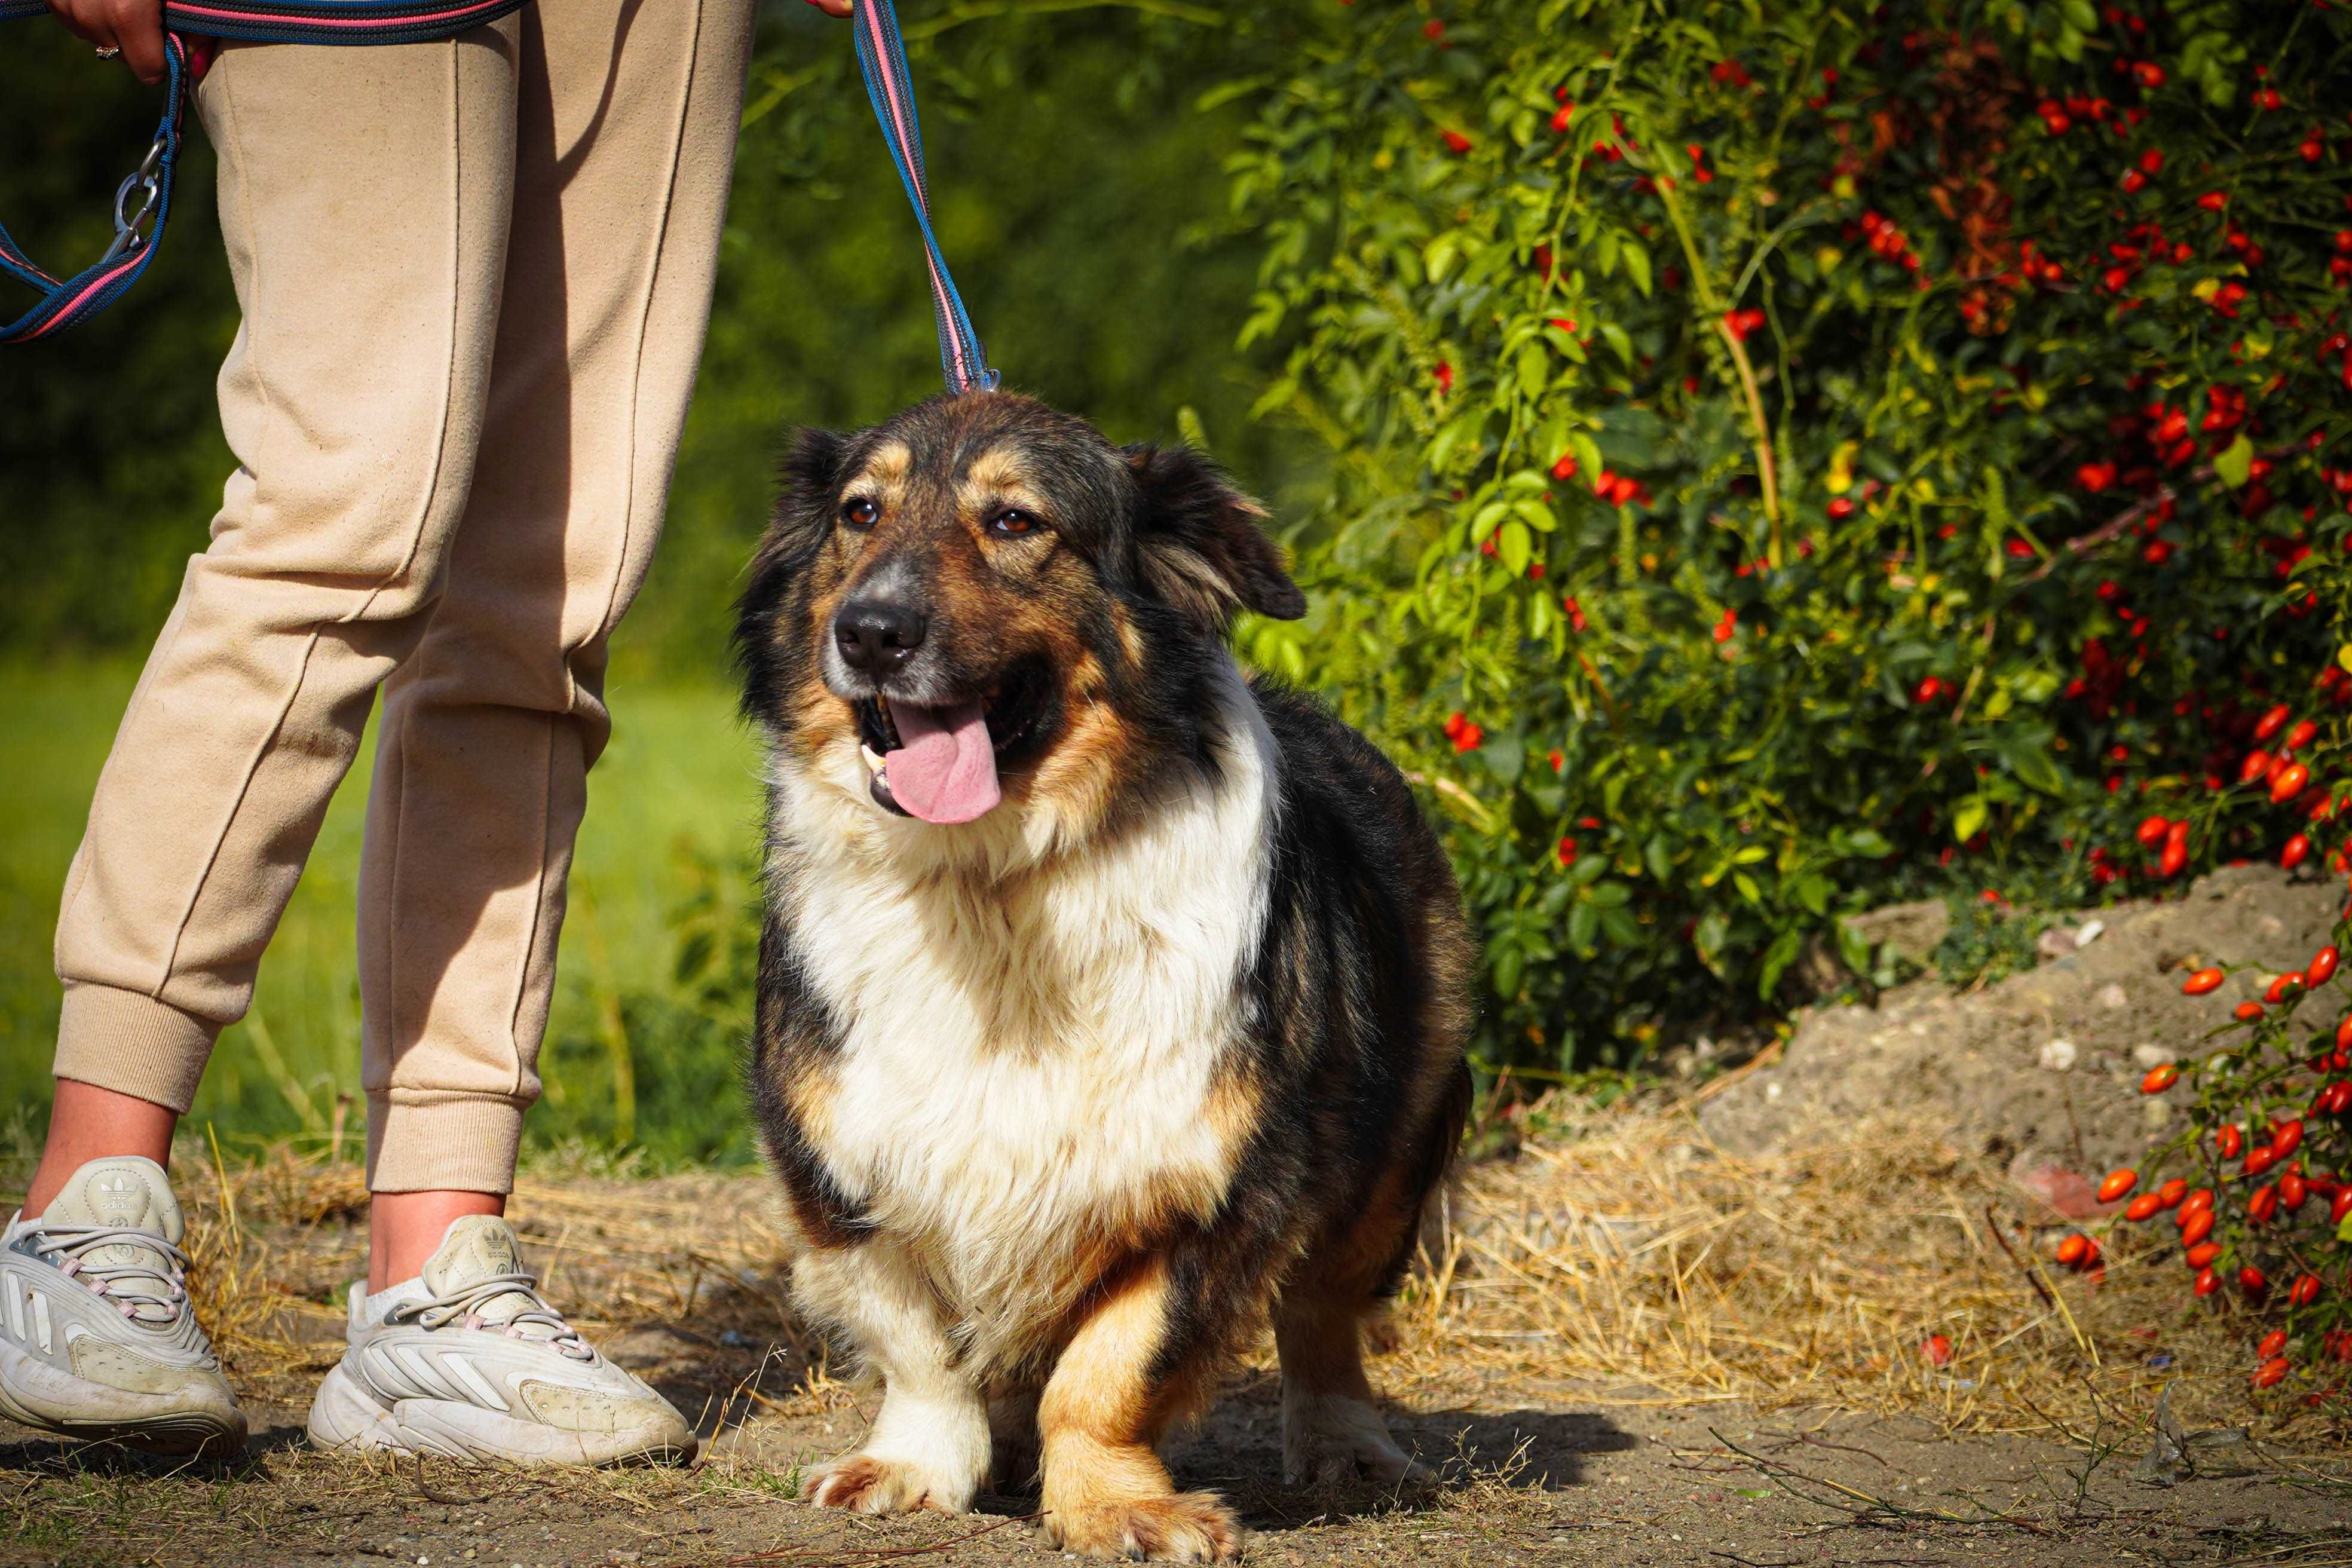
(129, 1285)
(466, 1302)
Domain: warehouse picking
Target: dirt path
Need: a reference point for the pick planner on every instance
(1539, 1469)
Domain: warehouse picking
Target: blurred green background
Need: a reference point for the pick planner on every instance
(1077, 158)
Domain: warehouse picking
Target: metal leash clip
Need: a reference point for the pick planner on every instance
(145, 181)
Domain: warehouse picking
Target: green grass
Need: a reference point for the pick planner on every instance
(672, 811)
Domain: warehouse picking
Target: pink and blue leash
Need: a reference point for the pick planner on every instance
(882, 55)
(145, 197)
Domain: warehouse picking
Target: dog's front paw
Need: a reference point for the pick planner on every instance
(1188, 1527)
(868, 1483)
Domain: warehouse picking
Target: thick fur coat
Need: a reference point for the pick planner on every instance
(1072, 1097)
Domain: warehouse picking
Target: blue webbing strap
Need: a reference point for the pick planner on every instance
(147, 194)
(882, 53)
(64, 302)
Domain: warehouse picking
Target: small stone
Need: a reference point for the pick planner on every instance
(1772, 1091)
(2112, 997)
(2153, 1056)
(2058, 1055)
(2088, 933)
(2156, 1112)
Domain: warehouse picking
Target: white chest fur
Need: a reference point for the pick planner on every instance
(1028, 1058)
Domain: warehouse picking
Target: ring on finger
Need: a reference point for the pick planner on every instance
(109, 52)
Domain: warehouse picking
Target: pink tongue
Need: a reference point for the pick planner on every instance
(944, 770)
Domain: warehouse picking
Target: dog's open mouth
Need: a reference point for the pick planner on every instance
(941, 763)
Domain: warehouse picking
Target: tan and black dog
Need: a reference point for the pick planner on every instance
(1112, 1003)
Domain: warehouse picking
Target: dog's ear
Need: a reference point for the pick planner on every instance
(811, 469)
(1199, 543)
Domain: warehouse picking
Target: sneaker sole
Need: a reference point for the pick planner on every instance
(346, 1418)
(35, 1393)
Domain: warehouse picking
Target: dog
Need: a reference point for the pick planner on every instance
(1111, 1004)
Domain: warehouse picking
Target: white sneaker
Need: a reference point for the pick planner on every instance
(97, 1338)
(470, 1362)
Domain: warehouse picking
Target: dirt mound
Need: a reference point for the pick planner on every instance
(2040, 1072)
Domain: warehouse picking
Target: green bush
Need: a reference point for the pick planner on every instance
(1790, 457)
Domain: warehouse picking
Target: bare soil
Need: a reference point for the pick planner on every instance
(2042, 1070)
(1672, 1333)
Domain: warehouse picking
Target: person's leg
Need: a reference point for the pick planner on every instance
(625, 142)
(85, 1123)
(365, 199)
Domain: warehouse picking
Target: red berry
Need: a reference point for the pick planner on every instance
(2198, 984)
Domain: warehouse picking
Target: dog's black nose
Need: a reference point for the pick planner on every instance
(877, 637)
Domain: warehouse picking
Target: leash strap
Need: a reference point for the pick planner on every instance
(146, 194)
(882, 54)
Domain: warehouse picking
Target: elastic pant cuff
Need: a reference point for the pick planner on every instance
(425, 1140)
(129, 1042)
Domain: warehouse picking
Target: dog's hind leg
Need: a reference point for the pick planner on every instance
(1104, 1411)
(928, 1448)
(1329, 1425)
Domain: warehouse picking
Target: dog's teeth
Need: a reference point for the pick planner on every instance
(873, 758)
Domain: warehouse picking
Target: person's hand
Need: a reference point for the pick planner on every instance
(830, 7)
(133, 27)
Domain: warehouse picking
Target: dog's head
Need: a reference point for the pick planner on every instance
(984, 597)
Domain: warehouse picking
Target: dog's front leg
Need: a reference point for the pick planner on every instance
(1101, 1418)
(930, 1446)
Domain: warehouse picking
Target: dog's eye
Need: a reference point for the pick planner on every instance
(858, 512)
(1013, 520)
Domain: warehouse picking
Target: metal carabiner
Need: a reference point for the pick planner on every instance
(146, 181)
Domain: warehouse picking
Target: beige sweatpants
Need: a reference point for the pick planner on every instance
(475, 277)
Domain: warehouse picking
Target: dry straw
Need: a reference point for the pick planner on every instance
(1623, 1257)
(1617, 1258)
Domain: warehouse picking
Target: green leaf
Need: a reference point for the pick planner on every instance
(1777, 959)
(2235, 462)
(1505, 756)
(1516, 546)
(1583, 925)
(1589, 463)
(1814, 891)
(1510, 963)
(1659, 857)
(1637, 266)
(1714, 929)
(1535, 368)
(1968, 819)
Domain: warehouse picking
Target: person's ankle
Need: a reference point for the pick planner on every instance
(85, 1123)
(404, 1229)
